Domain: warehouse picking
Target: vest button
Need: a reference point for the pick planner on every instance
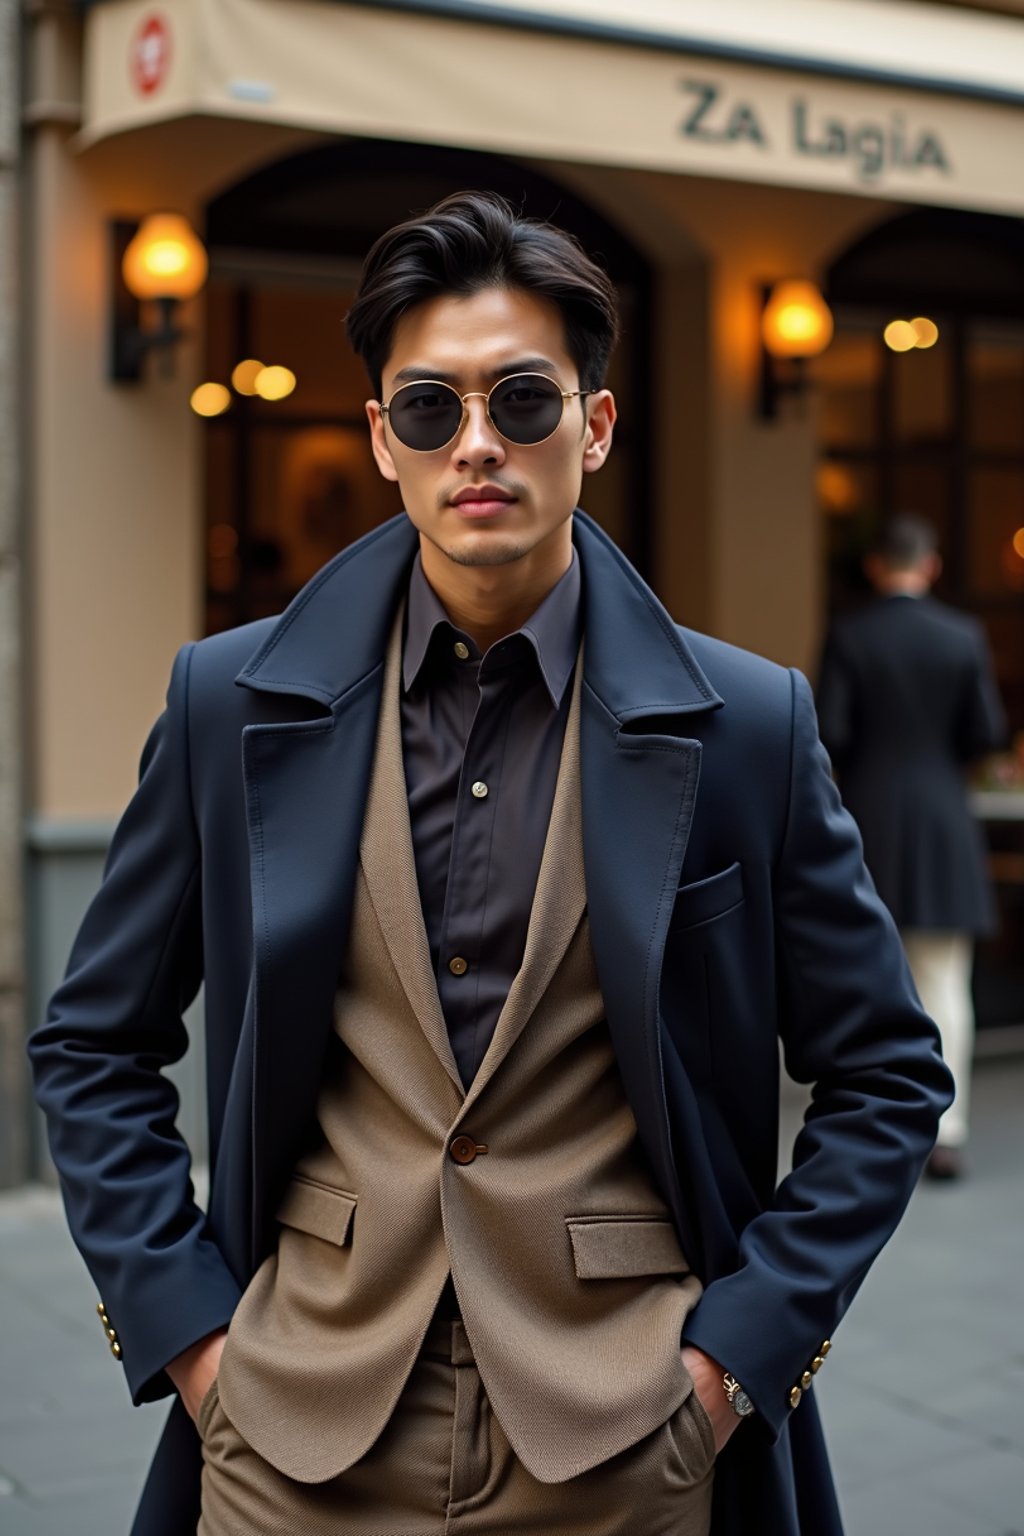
(458, 966)
(463, 1150)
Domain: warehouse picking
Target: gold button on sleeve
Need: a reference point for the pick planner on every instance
(795, 1395)
(816, 1364)
(826, 1345)
(806, 1379)
(115, 1350)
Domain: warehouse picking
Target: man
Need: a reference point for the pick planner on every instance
(906, 700)
(503, 889)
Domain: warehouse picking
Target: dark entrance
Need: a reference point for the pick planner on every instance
(940, 431)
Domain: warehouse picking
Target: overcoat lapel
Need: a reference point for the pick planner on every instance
(639, 781)
(639, 794)
(305, 791)
(306, 783)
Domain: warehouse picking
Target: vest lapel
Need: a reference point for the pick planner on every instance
(389, 866)
(558, 904)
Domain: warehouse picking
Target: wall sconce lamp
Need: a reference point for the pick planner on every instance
(159, 261)
(796, 324)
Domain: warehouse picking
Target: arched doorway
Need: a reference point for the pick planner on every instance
(939, 430)
(290, 482)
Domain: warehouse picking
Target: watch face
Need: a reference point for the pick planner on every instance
(741, 1404)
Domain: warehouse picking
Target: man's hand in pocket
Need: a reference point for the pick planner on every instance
(194, 1370)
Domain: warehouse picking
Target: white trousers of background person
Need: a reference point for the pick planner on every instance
(940, 964)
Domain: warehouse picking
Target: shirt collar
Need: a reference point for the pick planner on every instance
(553, 629)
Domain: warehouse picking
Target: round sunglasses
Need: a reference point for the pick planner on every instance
(525, 408)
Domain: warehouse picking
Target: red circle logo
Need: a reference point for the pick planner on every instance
(151, 55)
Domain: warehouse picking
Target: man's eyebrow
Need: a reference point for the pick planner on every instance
(416, 373)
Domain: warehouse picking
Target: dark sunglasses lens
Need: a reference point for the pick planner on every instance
(526, 408)
(425, 416)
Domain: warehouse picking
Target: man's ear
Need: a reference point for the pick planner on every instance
(600, 425)
(379, 442)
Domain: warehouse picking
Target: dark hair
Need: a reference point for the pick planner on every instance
(905, 540)
(475, 240)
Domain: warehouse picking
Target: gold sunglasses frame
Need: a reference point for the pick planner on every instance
(479, 394)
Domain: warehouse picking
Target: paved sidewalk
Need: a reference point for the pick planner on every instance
(923, 1394)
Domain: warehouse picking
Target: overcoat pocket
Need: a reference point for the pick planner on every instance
(706, 899)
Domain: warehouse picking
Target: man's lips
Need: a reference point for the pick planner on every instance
(482, 501)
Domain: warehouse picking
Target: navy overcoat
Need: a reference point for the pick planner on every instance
(729, 908)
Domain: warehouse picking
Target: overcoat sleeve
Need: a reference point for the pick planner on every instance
(850, 1025)
(112, 1026)
(981, 722)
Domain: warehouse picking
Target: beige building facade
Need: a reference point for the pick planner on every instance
(716, 157)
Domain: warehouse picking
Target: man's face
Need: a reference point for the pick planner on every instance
(480, 500)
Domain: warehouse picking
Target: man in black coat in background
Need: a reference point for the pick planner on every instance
(906, 700)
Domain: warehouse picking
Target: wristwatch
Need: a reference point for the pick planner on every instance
(738, 1400)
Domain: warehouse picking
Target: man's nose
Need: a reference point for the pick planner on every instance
(478, 441)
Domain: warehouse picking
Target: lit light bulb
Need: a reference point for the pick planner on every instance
(210, 399)
(165, 259)
(245, 374)
(274, 383)
(900, 336)
(796, 321)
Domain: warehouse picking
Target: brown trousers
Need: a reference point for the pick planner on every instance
(443, 1465)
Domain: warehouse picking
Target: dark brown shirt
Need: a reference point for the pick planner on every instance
(481, 742)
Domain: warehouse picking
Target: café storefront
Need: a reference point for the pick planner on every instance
(705, 162)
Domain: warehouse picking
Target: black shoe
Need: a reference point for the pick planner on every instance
(945, 1163)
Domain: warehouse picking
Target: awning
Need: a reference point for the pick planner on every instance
(576, 81)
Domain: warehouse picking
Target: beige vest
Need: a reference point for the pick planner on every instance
(569, 1274)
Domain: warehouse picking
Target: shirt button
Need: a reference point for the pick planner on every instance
(458, 966)
(480, 790)
(462, 650)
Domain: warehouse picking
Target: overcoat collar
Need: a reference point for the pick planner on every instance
(336, 630)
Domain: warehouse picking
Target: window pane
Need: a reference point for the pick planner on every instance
(848, 499)
(995, 362)
(302, 329)
(314, 491)
(924, 489)
(847, 378)
(922, 394)
(996, 532)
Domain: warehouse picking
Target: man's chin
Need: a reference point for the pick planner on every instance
(492, 548)
(507, 554)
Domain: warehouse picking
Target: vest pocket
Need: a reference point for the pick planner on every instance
(317, 1210)
(620, 1247)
